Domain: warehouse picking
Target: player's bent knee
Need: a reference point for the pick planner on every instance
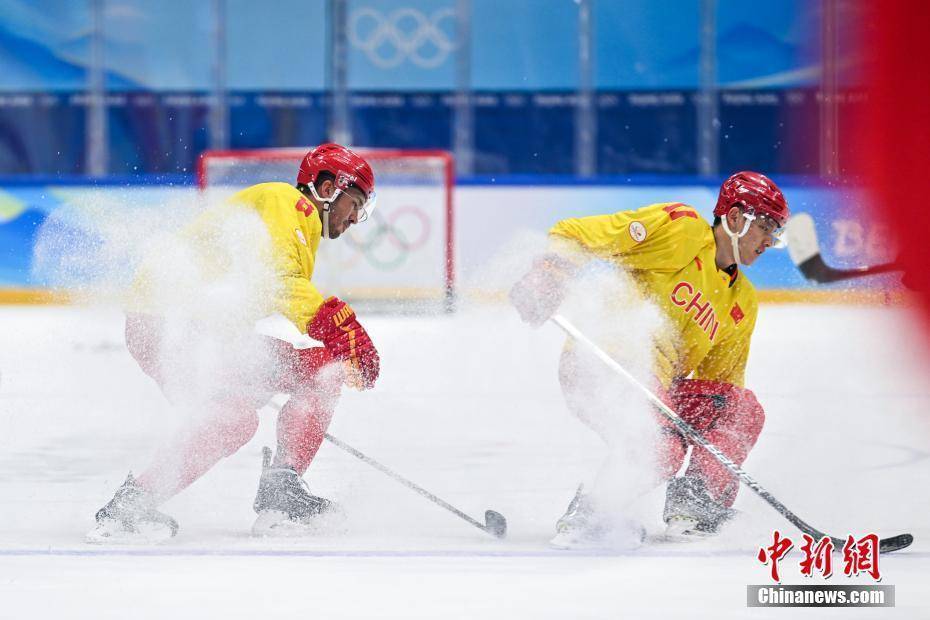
(142, 336)
(235, 432)
(754, 417)
(304, 370)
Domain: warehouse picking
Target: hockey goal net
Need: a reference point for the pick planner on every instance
(402, 256)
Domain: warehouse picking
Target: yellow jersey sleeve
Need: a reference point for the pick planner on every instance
(663, 236)
(726, 360)
(300, 301)
(295, 230)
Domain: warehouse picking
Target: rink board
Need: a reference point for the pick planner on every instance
(489, 219)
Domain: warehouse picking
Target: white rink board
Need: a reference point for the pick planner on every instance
(467, 406)
(489, 221)
(399, 251)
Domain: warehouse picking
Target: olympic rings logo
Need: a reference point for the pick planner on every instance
(401, 35)
(387, 241)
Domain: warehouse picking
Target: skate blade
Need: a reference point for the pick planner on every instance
(275, 524)
(680, 529)
(110, 533)
(613, 541)
(580, 538)
(566, 541)
(679, 525)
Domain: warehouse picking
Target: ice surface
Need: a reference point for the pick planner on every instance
(468, 406)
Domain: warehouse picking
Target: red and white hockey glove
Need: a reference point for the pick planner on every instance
(706, 404)
(336, 326)
(727, 416)
(539, 293)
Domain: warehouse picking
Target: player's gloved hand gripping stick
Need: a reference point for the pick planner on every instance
(337, 327)
(886, 545)
(540, 292)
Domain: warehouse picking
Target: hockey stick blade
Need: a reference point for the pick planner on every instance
(886, 545)
(816, 270)
(804, 249)
(494, 522)
(895, 543)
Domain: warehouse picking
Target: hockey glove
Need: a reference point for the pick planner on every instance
(727, 416)
(336, 326)
(540, 292)
(706, 404)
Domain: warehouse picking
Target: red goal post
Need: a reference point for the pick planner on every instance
(403, 254)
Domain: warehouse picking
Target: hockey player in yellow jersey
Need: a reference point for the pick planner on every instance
(691, 270)
(334, 190)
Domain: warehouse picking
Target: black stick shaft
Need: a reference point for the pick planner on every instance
(805, 252)
(817, 270)
(407, 483)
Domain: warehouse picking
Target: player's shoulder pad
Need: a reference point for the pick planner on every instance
(279, 188)
(676, 223)
(263, 196)
(273, 188)
(669, 217)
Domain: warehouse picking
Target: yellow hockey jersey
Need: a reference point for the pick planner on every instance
(296, 230)
(213, 259)
(670, 251)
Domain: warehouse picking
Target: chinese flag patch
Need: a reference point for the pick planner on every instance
(737, 313)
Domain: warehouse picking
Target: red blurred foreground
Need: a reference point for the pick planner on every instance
(891, 145)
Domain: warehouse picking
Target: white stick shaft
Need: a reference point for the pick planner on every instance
(407, 483)
(686, 429)
(572, 331)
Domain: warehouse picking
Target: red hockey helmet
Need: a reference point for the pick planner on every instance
(347, 167)
(753, 191)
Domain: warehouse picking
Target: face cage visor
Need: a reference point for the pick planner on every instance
(363, 212)
(765, 223)
(771, 228)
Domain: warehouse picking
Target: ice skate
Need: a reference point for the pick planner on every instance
(131, 518)
(286, 507)
(575, 529)
(690, 512)
(581, 527)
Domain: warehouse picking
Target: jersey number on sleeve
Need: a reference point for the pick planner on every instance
(678, 210)
(304, 206)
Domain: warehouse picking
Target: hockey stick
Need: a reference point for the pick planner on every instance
(495, 524)
(805, 252)
(885, 545)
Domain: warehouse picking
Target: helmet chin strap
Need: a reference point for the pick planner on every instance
(734, 237)
(324, 204)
